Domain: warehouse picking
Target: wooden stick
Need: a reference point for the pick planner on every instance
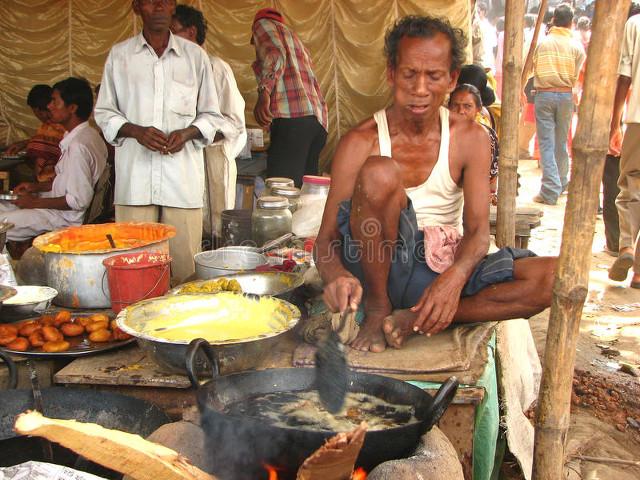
(124, 452)
(528, 63)
(611, 461)
(508, 161)
(572, 275)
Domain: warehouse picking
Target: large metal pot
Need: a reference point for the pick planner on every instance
(78, 274)
(234, 355)
(219, 263)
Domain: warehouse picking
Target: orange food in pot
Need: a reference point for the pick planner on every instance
(93, 238)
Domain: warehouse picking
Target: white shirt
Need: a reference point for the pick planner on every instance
(231, 106)
(490, 41)
(630, 66)
(83, 159)
(169, 93)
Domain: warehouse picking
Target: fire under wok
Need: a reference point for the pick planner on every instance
(242, 438)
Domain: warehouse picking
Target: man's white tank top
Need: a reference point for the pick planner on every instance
(438, 201)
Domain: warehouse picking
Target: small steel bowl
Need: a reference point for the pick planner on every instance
(30, 300)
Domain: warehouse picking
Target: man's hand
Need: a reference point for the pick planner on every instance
(615, 141)
(26, 201)
(151, 138)
(25, 188)
(177, 139)
(343, 292)
(439, 303)
(261, 110)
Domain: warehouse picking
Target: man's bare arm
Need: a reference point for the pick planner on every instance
(341, 288)
(615, 132)
(439, 303)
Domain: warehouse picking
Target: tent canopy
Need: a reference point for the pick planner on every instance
(43, 41)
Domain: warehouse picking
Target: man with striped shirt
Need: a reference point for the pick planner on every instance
(289, 98)
(557, 62)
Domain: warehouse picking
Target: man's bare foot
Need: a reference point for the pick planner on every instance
(370, 336)
(398, 327)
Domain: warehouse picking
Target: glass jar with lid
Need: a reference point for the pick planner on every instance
(290, 193)
(271, 182)
(314, 187)
(270, 219)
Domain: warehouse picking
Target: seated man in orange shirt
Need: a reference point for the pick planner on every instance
(43, 148)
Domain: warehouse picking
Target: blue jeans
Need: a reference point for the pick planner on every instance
(553, 119)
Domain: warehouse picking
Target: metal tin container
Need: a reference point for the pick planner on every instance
(217, 263)
(80, 277)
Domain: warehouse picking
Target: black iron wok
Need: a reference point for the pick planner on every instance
(110, 410)
(240, 446)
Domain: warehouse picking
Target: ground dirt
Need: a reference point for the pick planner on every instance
(605, 415)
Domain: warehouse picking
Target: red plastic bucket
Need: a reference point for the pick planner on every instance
(136, 276)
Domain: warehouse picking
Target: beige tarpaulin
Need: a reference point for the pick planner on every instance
(43, 41)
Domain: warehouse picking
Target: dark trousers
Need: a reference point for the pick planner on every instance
(610, 191)
(296, 144)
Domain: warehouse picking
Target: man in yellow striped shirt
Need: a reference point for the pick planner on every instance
(557, 62)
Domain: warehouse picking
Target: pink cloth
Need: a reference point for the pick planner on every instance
(440, 244)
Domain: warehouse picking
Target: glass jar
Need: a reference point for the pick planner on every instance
(290, 193)
(271, 182)
(314, 188)
(270, 219)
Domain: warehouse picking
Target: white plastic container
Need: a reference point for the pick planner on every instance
(313, 197)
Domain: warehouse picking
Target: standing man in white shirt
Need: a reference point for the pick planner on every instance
(62, 202)
(220, 165)
(628, 147)
(158, 104)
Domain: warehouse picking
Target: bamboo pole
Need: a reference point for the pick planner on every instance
(508, 162)
(528, 63)
(572, 275)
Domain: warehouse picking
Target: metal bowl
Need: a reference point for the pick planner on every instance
(30, 300)
(6, 293)
(233, 355)
(275, 284)
(4, 228)
(218, 263)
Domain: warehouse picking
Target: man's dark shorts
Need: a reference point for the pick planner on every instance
(409, 274)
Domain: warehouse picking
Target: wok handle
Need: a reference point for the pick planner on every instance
(443, 398)
(190, 360)
(13, 371)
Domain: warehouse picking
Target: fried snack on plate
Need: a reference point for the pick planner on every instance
(71, 329)
(119, 334)
(55, 347)
(28, 328)
(63, 316)
(84, 321)
(99, 317)
(20, 344)
(51, 334)
(8, 333)
(95, 326)
(47, 320)
(100, 336)
(36, 339)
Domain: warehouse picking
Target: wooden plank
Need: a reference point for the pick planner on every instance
(129, 366)
(123, 452)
